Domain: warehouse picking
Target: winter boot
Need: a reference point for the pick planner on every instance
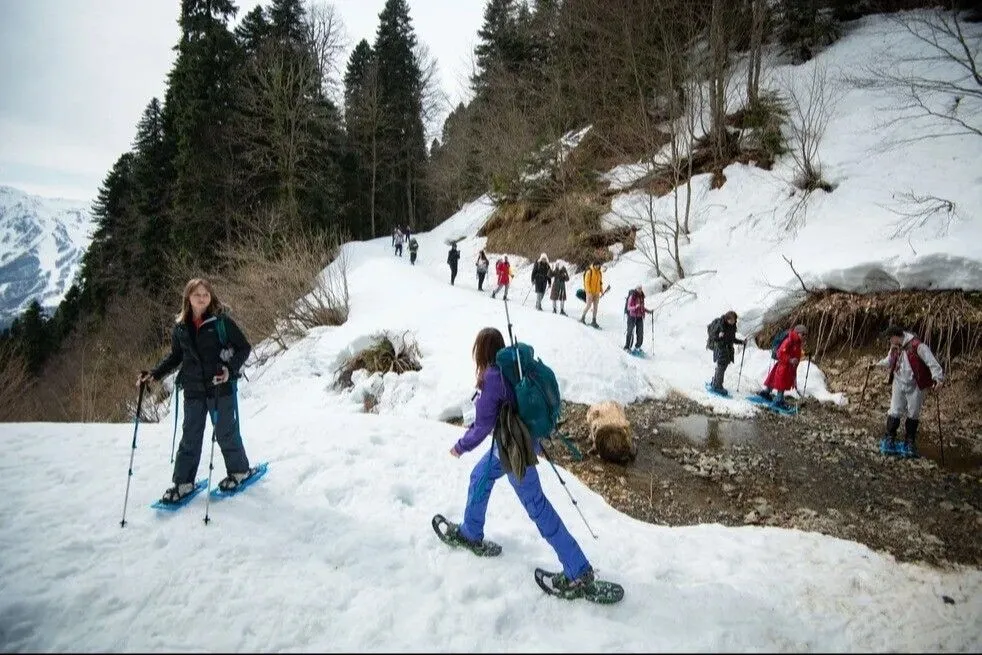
(233, 480)
(765, 394)
(176, 493)
(573, 588)
(910, 443)
(888, 444)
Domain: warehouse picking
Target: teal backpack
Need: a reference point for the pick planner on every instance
(536, 388)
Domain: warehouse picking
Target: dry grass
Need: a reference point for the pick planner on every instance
(16, 386)
(844, 334)
(279, 285)
(92, 378)
(386, 354)
(568, 228)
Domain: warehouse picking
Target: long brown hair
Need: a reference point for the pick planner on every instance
(486, 346)
(214, 308)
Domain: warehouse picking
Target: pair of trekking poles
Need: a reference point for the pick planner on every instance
(136, 427)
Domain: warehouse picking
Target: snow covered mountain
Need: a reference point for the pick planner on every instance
(42, 241)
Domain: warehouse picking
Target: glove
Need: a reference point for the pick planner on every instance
(794, 361)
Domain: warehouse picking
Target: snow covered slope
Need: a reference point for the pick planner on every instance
(333, 549)
(42, 241)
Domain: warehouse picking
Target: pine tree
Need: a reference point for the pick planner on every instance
(287, 21)
(108, 264)
(152, 179)
(363, 120)
(29, 332)
(200, 98)
(496, 52)
(401, 193)
(253, 31)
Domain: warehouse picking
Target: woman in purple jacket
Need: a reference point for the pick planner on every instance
(495, 391)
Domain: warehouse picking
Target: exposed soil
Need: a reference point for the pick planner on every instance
(819, 471)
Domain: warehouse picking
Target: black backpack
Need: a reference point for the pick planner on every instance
(712, 330)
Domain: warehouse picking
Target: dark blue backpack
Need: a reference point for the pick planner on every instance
(536, 388)
(776, 343)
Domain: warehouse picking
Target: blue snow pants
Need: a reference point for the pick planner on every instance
(486, 472)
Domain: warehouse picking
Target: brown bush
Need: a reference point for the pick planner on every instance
(16, 386)
(386, 354)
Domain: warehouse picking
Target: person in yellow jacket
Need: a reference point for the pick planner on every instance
(593, 284)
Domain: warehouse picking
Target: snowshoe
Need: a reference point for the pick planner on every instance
(586, 586)
(452, 537)
(889, 447)
(180, 495)
(238, 482)
(717, 391)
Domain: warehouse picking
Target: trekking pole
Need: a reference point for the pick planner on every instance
(211, 458)
(652, 335)
(527, 293)
(563, 482)
(136, 426)
(862, 396)
(805, 385)
(937, 403)
(508, 319)
(743, 352)
(177, 407)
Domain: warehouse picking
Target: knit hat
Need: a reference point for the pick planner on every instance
(543, 258)
(801, 329)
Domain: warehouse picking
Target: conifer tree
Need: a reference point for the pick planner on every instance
(401, 192)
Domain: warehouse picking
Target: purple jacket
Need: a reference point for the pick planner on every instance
(496, 391)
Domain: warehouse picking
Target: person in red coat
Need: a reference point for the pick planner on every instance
(784, 374)
(503, 270)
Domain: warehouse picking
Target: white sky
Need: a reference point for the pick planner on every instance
(75, 76)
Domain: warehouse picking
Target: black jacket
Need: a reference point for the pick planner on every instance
(199, 354)
(452, 257)
(540, 276)
(725, 338)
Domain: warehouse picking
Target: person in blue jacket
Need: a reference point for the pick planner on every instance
(495, 391)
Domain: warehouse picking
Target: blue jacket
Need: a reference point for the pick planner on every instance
(496, 391)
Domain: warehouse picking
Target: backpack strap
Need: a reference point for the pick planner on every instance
(222, 330)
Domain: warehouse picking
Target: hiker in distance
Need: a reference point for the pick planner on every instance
(495, 392)
(413, 248)
(397, 238)
(722, 337)
(635, 310)
(452, 258)
(913, 369)
(503, 270)
(481, 265)
(541, 279)
(593, 284)
(560, 276)
(208, 374)
(783, 375)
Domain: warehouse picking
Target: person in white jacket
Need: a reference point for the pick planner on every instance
(913, 369)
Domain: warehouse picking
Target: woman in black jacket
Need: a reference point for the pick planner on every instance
(210, 350)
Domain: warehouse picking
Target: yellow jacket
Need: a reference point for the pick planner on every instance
(593, 281)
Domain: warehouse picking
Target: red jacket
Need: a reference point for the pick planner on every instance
(502, 268)
(783, 376)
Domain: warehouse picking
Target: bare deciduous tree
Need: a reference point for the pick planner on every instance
(920, 84)
(809, 112)
(326, 35)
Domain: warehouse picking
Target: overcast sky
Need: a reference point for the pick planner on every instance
(75, 75)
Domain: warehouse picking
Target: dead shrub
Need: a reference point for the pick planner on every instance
(16, 384)
(92, 378)
(279, 284)
(386, 354)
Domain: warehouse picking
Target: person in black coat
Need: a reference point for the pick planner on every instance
(724, 332)
(210, 350)
(452, 258)
(541, 277)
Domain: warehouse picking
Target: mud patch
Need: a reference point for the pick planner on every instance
(820, 471)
